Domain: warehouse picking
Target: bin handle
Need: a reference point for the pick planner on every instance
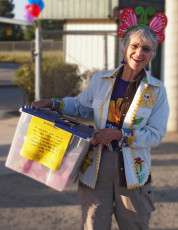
(68, 123)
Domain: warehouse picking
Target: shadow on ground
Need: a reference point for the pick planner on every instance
(18, 191)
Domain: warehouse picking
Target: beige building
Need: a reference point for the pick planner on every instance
(82, 17)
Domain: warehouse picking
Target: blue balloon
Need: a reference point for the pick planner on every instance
(33, 1)
(41, 5)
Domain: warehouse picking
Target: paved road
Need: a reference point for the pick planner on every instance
(7, 73)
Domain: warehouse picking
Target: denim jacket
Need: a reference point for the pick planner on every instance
(144, 125)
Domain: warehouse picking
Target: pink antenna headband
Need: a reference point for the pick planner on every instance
(130, 21)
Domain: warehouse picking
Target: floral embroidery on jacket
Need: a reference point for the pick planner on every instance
(145, 80)
(88, 160)
(127, 138)
(148, 99)
(115, 74)
(139, 164)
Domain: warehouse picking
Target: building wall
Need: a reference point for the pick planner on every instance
(88, 51)
(171, 63)
(157, 4)
(78, 9)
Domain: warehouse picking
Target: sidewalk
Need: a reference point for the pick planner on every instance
(23, 199)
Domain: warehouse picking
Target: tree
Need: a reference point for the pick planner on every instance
(52, 24)
(9, 32)
(6, 8)
(29, 32)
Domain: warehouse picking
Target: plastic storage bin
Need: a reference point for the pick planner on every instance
(76, 149)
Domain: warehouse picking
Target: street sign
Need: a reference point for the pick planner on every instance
(8, 31)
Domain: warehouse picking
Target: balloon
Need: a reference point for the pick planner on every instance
(33, 1)
(28, 16)
(41, 5)
(34, 10)
(27, 6)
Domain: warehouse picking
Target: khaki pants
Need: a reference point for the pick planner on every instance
(132, 208)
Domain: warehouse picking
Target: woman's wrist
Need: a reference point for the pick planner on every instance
(44, 103)
(119, 135)
(116, 134)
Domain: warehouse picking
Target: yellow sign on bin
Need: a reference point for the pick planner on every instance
(45, 143)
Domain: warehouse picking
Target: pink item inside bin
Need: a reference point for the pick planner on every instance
(33, 169)
(61, 178)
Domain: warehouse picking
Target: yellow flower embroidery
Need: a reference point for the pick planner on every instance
(87, 162)
(148, 99)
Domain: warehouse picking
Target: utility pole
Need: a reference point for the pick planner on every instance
(38, 61)
(171, 63)
(116, 14)
(106, 51)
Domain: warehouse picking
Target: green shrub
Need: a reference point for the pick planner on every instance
(24, 79)
(59, 79)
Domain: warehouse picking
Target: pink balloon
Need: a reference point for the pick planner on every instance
(26, 7)
(28, 16)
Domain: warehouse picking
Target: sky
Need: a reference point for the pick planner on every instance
(19, 9)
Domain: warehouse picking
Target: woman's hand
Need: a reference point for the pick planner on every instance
(105, 136)
(45, 103)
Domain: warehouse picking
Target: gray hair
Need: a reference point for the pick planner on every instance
(145, 33)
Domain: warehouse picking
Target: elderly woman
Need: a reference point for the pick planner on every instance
(130, 110)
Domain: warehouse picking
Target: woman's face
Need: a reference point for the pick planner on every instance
(138, 53)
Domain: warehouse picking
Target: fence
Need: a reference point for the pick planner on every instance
(28, 45)
(69, 59)
(80, 54)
